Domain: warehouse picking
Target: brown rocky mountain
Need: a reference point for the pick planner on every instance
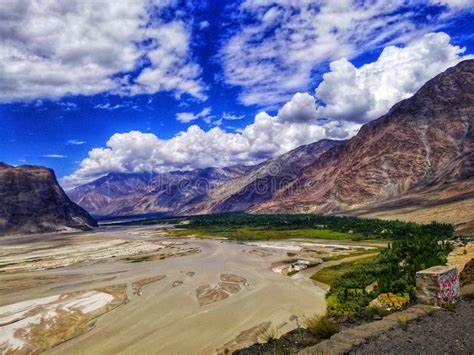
(234, 188)
(416, 162)
(417, 157)
(33, 202)
(121, 194)
(261, 183)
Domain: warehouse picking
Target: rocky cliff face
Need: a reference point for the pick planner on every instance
(31, 201)
(424, 142)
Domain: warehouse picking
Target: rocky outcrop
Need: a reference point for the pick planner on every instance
(31, 201)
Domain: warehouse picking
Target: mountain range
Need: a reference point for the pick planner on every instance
(415, 163)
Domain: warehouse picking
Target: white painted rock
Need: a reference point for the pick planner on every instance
(438, 285)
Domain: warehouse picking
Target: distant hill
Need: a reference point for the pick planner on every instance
(31, 201)
(121, 194)
(414, 163)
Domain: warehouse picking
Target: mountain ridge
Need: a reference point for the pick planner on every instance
(423, 143)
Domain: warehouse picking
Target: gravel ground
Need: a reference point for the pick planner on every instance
(445, 332)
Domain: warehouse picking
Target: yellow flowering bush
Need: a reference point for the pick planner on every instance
(390, 301)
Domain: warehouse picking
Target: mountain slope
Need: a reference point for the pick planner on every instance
(31, 201)
(261, 183)
(423, 143)
(119, 194)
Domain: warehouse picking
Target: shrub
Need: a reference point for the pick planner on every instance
(269, 335)
(321, 326)
(374, 311)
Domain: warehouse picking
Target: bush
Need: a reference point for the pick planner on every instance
(374, 311)
(322, 327)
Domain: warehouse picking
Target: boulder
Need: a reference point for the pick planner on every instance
(438, 285)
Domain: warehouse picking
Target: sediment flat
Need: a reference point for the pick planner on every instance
(182, 295)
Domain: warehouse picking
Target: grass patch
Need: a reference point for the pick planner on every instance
(138, 259)
(330, 274)
(271, 334)
(350, 255)
(259, 233)
(322, 327)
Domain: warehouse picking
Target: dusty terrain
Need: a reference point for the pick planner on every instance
(133, 289)
(446, 332)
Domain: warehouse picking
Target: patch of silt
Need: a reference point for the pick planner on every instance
(228, 285)
(36, 325)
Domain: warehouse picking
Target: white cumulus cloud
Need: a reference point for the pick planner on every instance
(347, 97)
(365, 93)
(196, 148)
(301, 108)
(51, 49)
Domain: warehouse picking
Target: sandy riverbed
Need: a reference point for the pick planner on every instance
(221, 295)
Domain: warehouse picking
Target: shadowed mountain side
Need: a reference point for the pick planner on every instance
(33, 202)
(118, 194)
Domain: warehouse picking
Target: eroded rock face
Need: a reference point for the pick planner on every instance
(31, 201)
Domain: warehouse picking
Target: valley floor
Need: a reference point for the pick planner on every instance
(135, 290)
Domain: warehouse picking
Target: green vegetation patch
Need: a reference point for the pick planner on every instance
(281, 226)
(394, 271)
(258, 233)
(329, 274)
(352, 254)
(320, 226)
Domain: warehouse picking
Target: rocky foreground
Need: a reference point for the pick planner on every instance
(31, 201)
(445, 332)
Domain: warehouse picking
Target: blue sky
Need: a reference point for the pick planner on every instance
(88, 88)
